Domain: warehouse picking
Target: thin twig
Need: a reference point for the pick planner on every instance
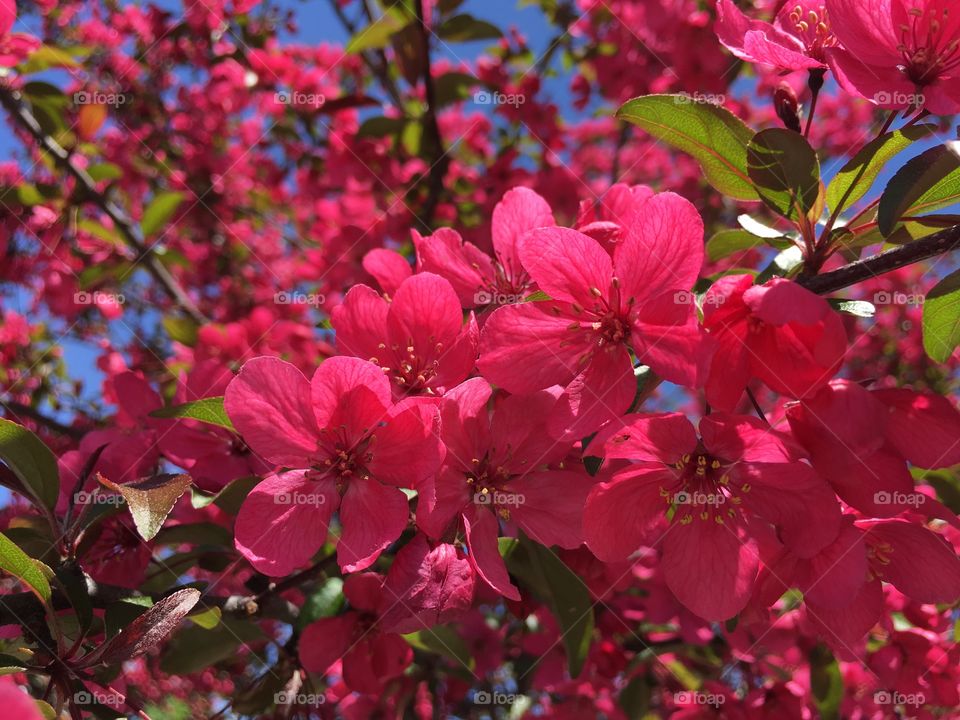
(13, 102)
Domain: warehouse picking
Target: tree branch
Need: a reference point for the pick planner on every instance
(14, 104)
(937, 244)
(438, 156)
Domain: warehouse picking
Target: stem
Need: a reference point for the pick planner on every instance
(756, 406)
(815, 83)
(869, 268)
(13, 102)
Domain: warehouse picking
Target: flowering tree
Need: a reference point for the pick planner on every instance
(457, 367)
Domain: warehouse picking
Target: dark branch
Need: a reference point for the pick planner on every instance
(869, 268)
(13, 102)
(438, 157)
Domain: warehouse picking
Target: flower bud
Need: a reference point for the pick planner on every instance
(787, 106)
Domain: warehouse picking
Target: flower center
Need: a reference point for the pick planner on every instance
(705, 490)
(812, 27)
(412, 368)
(488, 483)
(927, 54)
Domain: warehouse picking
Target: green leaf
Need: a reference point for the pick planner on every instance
(194, 648)
(826, 682)
(105, 171)
(714, 136)
(200, 533)
(46, 57)
(208, 410)
(378, 33)
(381, 126)
(442, 640)
(181, 329)
(785, 264)
(452, 87)
(857, 177)
(15, 562)
(207, 619)
(230, 498)
(327, 601)
(151, 499)
(465, 27)
(941, 318)
(10, 665)
(159, 211)
(928, 182)
(727, 242)
(31, 461)
(545, 575)
(786, 173)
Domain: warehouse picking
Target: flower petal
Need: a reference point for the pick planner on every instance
(283, 521)
(373, 516)
(710, 567)
(269, 404)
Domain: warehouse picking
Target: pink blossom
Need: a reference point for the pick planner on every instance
(601, 309)
(350, 448)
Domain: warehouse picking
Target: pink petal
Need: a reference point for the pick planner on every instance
(780, 301)
(923, 427)
(426, 587)
(458, 361)
(514, 334)
(833, 577)
(425, 316)
(768, 47)
(518, 431)
(843, 412)
(748, 439)
(441, 500)
(843, 628)
(360, 322)
(601, 393)
(325, 641)
(797, 360)
(881, 83)
(710, 567)
(662, 248)
(16, 702)
(793, 497)
(921, 564)
(269, 404)
(619, 514)
(465, 422)
(8, 14)
(364, 591)
(407, 447)
(664, 437)
(729, 369)
(567, 265)
(388, 267)
(283, 521)
(468, 269)
(375, 659)
(519, 211)
(667, 337)
(482, 531)
(866, 30)
(373, 516)
(551, 511)
(350, 392)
